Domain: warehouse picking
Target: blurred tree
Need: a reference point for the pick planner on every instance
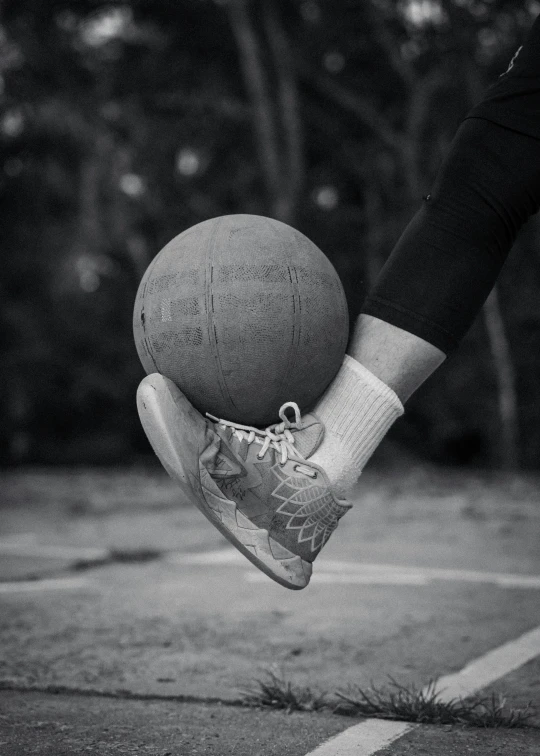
(123, 123)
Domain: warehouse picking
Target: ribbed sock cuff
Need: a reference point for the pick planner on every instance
(358, 408)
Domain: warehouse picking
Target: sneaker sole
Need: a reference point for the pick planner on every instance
(161, 416)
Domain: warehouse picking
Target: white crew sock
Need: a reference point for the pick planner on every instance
(357, 410)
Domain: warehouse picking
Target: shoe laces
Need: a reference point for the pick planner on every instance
(277, 436)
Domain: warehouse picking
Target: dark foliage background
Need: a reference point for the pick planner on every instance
(122, 124)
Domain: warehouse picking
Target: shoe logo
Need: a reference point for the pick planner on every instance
(312, 509)
(225, 466)
(233, 478)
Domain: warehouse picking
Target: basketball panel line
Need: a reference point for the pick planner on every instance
(212, 334)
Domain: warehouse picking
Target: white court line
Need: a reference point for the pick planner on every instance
(52, 552)
(506, 579)
(372, 735)
(397, 577)
(487, 669)
(219, 556)
(26, 545)
(394, 578)
(59, 584)
(363, 739)
(19, 538)
(358, 573)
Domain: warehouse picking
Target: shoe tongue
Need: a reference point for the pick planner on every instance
(308, 438)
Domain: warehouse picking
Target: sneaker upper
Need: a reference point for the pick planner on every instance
(275, 490)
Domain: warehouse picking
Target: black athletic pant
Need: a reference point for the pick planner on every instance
(448, 258)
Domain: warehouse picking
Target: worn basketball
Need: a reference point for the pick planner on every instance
(242, 313)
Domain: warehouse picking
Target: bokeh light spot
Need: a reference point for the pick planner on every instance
(132, 185)
(334, 61)
(13, 123)
(326, 197)
(422, 12)
(89, 281)
(187, 162)
(103, 27)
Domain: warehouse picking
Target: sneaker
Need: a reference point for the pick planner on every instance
(257, 487)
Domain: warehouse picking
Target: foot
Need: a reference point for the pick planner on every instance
(257, 487)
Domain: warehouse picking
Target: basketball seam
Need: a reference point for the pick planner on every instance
(292, 355)
(297, 323)
(212, 335)
(344, 307)
(145, 339)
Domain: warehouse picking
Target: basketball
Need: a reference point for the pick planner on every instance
(243, 313)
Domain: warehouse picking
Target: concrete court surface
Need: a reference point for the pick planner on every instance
(111, 585)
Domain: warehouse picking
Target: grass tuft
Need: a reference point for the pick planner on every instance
(278, 693)
(425, 706)
(396, 701)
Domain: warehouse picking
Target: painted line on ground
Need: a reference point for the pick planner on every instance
(35, 586)
(372, 735)
(218, 556)
(365, 573)
(505, 579)
(27, 545)
(398, 578)
(328, 571)
(490, 667)
(363, 739)
(322, 578)
(19, 538)
(53, 552)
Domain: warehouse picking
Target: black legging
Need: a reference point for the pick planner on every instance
(448, 258)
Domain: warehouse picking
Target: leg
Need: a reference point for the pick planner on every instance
(398, 358)
(430, 290)
(448, 259)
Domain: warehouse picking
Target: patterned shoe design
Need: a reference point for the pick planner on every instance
(257, 487)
